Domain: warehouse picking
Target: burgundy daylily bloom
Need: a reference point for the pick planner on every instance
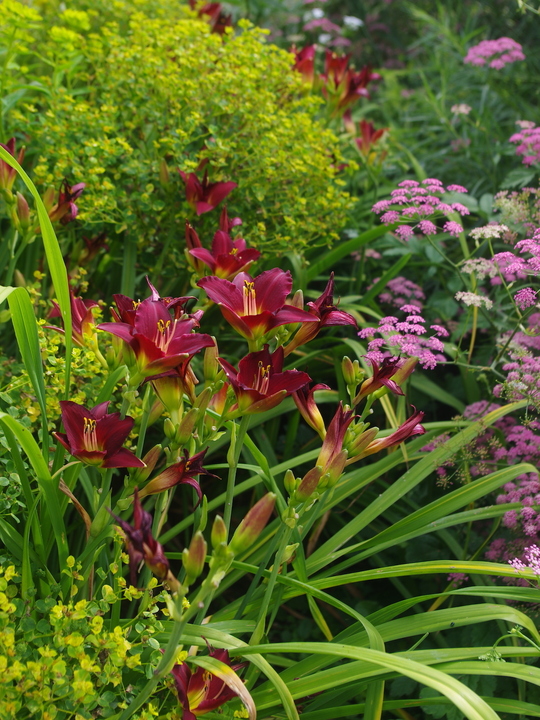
(160, 343)
(304, 62)
(180, 473)
(65, 209)
(217, 18)
(81, 317)
(228, 257)
(254, 306)
(259, 383)
(95, 437)
(205, 196)
(327, 315)
(342, 83)
(142, 546)
(201, 691)
(332, 456)
(368, 136)
(7, 173)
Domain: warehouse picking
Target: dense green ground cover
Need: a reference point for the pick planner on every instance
(269, 364)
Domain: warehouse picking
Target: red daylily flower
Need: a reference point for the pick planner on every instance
(259, 383)
(142, 546)
(205, 196)
(304, 62)
(200, 692)
(182, 472)
(95, 437)
(368, 136)
(254, 306)
(216, 17)
(65, 209)
(228, 257)
(161, 343)
(342, 83)
(327, 314)
(7, 173)
(81, 317)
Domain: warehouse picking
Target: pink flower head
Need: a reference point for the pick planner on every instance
(254, 306)
(500, 52)
(203, 195)
(525, 298)
(95, 437)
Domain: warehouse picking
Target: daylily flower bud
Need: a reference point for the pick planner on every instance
(164, 175)
(211, 366)
(193, 558)
(289, 481)
(185, 429)
(169, 429)
(18, 279)
(219, 532)
(289, 553)
(352, 372)
(150, 460)
(23, 212)
(170, 390)
(298, 300)
(203, 399)
(253, 524)
(309, 484)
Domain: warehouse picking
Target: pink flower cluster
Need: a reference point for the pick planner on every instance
(504, 51)
(420, 201)
(532, 558)
(400, 291)
(528, 140)
(513, 267)
(406, 337)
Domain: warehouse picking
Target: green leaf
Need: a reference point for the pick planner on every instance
(432, 390)
(55, 260)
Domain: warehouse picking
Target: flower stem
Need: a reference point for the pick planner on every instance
(238, 433)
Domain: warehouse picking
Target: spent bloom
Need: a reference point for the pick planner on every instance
(461, 109)
(499, 53)
(414, 203)
(473, 299)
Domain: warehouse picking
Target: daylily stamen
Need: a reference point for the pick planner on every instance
(250, 302)
(262, 379)
(90, 434)
(165, 333)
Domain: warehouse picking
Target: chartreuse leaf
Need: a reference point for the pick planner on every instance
(55, 260)
(47, 485)
(25, 326)
(329, 259)
(323, 555)
(513, 707)
(470, 704)
(227, 675)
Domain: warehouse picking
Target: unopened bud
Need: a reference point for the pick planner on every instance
(49, 197)
(253, 524)
(298, 300)
(150, 460)
(352, 372)
(164, 175)
(290, 552)
(23, 212)
(289, 481)
(185, 429)
(219, 532)
(309, 483)
(194, 558)
(405, 370)
(18, 279)
(169, 429)
(211, 367)
(102, 518)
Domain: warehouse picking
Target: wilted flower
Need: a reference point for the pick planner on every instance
(203, 195)
(327, 314)
(82, 318)
(65, 209)
(182, 472)
(385, 374)
(259, 383)
(254, 306)
(95, 437)
(142, 546)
